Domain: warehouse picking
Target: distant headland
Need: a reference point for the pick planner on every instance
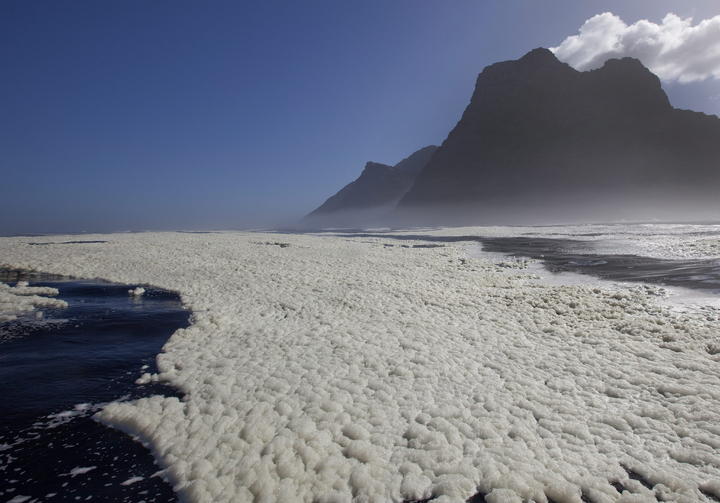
(540, 139)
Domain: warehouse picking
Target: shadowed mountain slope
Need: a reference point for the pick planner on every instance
(538, 132)
(378, 186)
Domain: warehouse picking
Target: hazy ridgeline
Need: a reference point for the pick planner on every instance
(542, 142)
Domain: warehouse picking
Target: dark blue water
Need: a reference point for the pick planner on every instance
(567, 255)
(576, 255)
(56, 372)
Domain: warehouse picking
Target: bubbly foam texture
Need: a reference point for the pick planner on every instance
(668, 241)
(23, 298)
(337, 369)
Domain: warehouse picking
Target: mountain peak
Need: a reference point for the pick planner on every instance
(540, 55)
(539, 64)
(627, 68)
(375, 168)
(378, 188)
(631, 82)
(537, 128)
(626, 62)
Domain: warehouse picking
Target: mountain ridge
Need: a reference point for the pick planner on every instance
(378, 186)
(543, 140)
(536, 128)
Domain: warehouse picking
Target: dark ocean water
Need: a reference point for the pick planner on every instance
(578, 255)
(566, 255)
(57, 371)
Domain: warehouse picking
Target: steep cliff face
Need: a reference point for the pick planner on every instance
(538, 129)
(378, 186)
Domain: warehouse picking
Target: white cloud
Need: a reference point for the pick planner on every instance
(675, 49)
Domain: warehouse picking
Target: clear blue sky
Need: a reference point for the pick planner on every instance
(132, 115)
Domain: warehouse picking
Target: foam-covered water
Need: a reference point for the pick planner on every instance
(60, 367)
(361, 368)
(566, 255)
(576, 253)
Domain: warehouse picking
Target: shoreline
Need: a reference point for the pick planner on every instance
(73, 360)
(257, 305)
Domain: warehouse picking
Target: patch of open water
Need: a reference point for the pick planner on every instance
(57, 371)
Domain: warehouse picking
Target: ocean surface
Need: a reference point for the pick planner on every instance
(57, 371)
(568, 255)
(579, 256)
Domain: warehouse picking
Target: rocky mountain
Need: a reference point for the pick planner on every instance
(538, 133)
(378, 188)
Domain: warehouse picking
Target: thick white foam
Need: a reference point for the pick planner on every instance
(673, 297)
(339, 369)
(22, 299)
(670, 241)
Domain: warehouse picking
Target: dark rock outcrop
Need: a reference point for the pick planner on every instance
(538, 132)
(379, 187)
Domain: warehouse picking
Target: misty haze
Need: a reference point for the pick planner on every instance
(387, 251)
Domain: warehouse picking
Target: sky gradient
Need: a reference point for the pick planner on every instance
(143, 115)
